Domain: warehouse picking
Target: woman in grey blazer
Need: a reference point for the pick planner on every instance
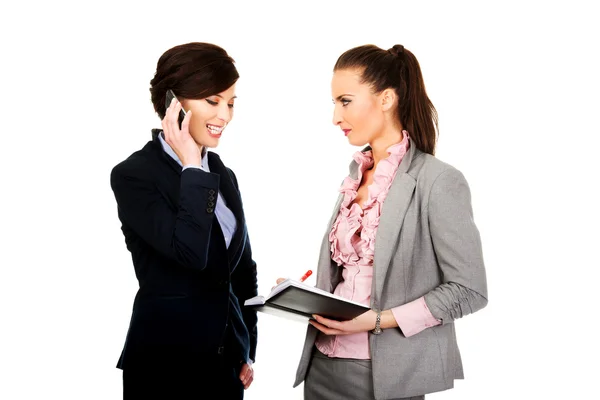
(401, 239)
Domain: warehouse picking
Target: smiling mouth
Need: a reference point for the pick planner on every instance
(346, 131)
(215, 130)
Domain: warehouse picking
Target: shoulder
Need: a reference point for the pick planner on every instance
(430, 172)
(137, 166)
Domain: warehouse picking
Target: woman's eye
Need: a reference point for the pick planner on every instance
(212, 103)
(230, 105)
(345, 102)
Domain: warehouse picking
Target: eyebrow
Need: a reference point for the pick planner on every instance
(218, 95)
(342, 95)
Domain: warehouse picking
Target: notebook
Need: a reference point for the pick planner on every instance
(293, 299)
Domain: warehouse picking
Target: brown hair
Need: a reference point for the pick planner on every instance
(399, 69)
(193, 71)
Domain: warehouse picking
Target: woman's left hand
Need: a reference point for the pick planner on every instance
(363, 323)
(246, 375)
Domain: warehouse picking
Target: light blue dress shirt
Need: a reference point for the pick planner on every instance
(224, 215)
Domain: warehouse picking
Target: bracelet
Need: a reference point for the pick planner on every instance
(377, 329)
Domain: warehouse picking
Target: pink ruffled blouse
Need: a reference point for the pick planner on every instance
(352, 239)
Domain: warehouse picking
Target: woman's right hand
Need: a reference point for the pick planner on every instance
(180, 140)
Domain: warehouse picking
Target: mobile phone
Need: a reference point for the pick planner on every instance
(170, 96)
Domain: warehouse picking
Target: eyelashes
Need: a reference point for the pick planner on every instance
(214, 103)
(344, 102)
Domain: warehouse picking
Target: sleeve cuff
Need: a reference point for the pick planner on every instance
(192, 166)
(414, 317)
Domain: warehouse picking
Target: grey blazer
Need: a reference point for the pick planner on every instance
(427, 244)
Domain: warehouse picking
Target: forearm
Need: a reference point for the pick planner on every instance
(451, 301)
(412, 317)
(182, 235)
(388, 320)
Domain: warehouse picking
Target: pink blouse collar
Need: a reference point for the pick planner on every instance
(384, 173)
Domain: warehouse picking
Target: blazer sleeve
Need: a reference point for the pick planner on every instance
(244, 282)
(182, 235)
(457, 246)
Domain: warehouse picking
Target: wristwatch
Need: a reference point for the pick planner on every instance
(377, 329)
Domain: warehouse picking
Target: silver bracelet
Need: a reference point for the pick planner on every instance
(377, 329)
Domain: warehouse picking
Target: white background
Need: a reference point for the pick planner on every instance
(516, 87)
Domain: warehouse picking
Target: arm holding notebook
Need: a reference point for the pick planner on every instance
(362, 323)
(411, 318)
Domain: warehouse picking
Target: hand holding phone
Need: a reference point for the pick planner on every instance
(177, 135)
(168, 99)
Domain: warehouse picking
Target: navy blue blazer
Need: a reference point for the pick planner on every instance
(189, 305)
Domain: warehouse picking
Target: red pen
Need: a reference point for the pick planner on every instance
(306, 275)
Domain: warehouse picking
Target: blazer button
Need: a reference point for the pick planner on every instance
(211, 198)
(211, 204)
(210, 210)
(211, 192)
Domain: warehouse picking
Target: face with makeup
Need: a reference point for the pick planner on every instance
(210, 116)
(361, 114)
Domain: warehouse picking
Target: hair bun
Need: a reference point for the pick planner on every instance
(396, 50)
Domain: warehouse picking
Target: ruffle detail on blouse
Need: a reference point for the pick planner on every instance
(346, 247)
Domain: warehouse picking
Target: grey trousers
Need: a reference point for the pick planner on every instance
(340, 379)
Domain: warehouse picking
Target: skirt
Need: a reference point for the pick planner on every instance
(340, 379)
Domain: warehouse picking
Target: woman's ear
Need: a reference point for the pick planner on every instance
(388, 99)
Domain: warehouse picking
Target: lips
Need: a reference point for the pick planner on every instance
(346, 131)
(214, 130)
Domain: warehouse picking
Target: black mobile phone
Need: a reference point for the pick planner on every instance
(170, 96)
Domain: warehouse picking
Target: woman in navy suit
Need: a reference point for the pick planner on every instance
(183, 222)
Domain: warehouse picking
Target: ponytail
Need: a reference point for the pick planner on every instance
(399, 69)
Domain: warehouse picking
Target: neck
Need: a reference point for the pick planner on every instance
(380, 145)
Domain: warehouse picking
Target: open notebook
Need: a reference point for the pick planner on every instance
(293, 299)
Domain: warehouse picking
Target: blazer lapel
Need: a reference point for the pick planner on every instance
(158, 148)
(392, 216)
(390, 223)
(329, 273)
(234, 203)
(166, 171)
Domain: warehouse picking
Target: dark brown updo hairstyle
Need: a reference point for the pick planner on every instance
(193, 71)
(399, 69)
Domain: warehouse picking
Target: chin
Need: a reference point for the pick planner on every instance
(207, 141)
(357, 142)
(212, 142)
